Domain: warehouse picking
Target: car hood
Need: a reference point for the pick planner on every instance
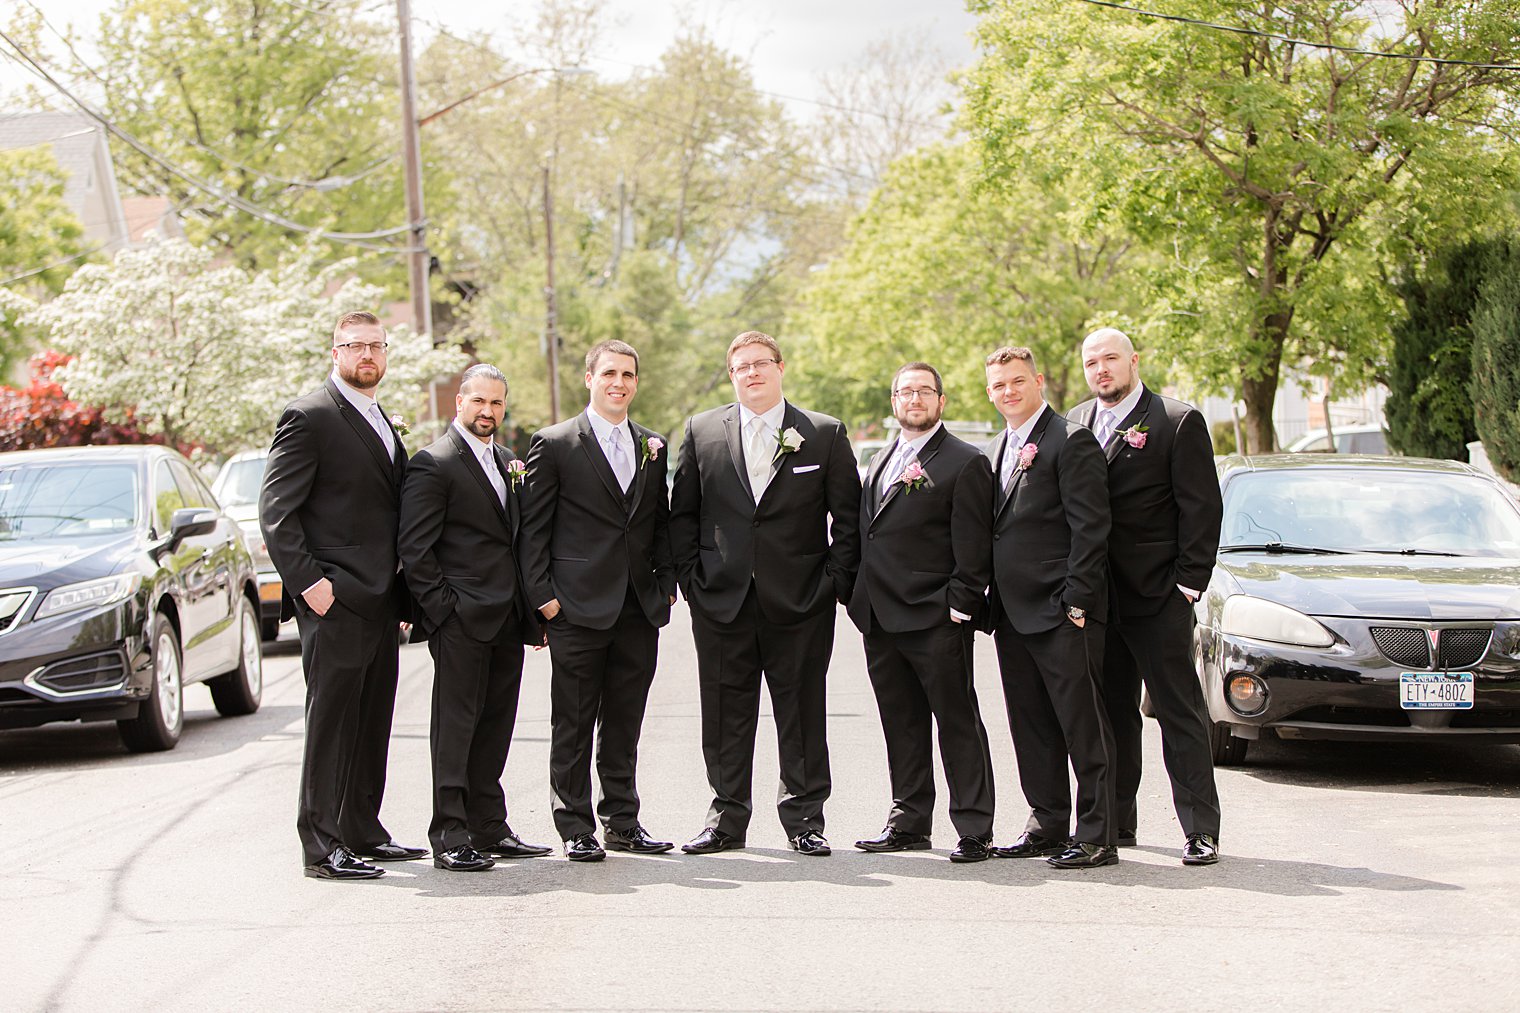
(1365, 586)
(47, 564)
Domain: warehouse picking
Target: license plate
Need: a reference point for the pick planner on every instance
(270, 591)
(1436, 690)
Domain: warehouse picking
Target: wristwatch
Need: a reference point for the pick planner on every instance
(1075, 614)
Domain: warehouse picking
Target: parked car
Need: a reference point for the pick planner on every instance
(237, 489)
(1363, 439)
(1363, 598)
(121, 582)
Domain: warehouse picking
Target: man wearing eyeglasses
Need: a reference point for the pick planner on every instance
(764, 525)
(925, 561)
(328, 511)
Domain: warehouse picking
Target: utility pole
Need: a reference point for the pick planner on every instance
(418, 259)
(551, 313)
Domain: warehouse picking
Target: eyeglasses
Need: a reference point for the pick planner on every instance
(916, 394)
(751, 367)
(358, 347)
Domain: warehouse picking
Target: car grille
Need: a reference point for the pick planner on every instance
(82, 675)
(1409, 646)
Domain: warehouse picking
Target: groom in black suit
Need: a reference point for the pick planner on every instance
(597, 565)
(925, 561)
(764, 523)
(328, 513)
(1047, 608)
(460, 521)
(1166, 508)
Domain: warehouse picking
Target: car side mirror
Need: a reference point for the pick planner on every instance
(187, 522)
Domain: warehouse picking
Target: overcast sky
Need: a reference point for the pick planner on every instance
(789, 42)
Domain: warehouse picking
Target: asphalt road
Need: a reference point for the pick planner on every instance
(1354, 877)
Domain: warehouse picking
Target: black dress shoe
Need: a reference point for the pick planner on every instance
(810, 842)
(462, 859)
(971, 849)
(341, 864)
(1085, 856)
(390, 851)
(710, 842)
(1200, 849)
(637, 840)
(583, 848)
(1031, 845)
(511, 846)
(1124, 838)
(892, 839)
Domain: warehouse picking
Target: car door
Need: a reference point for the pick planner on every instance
(205, 564)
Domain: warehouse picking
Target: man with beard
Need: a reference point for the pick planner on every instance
(328, 512)
(459, 521)
(597, 566)
(1164, 495)
(763, 521)
(925, 561)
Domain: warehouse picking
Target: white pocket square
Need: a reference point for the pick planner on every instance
(806, 467)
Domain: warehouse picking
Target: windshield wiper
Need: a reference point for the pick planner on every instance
(1411, 552)
(1284, 548)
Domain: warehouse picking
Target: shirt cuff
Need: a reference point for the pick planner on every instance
(959, 616)
(1190, 593)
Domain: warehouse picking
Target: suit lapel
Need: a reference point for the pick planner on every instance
(925, 454)
(1134, 418)
(471, 464)
(873, 475)
(789, 419)
(513, 510)
(363, 430)
(1035, 435)
(598, 459)
(640, 466)
(734, 435)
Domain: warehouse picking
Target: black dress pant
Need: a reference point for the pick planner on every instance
(794, 660)
(350, 664)
(1158, 652)
(475, 693)
(598, 691)
(917, 676)
(1056, 713)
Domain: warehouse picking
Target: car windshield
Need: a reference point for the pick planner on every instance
(238, 484)
(74, 500)
(1413, 512)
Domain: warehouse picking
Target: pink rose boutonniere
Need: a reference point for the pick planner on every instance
(516, 471)
(913, 477)
(1135, 436)
(1026, 455)
(399, 424)
(651, 447)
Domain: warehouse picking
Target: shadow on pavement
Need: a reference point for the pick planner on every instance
(625, 874)
(1414, 768)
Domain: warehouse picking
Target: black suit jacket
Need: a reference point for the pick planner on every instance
(328, 506)
(925, 551)
(583, 540)
(1165, 503)
(1050, 534)
(800, 561)
(456, 541)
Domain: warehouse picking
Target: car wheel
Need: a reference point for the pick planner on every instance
(269, 629)
(241, 690)
(1229, 749)
(161, 716)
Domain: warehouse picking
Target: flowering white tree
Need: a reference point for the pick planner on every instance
(207, 353)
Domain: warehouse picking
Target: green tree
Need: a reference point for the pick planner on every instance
(1496, 358)
(938, 268)
(1283, 181)
(1429, 408)
(291, 107)
(41, 241)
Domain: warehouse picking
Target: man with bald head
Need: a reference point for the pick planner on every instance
(1166, 509)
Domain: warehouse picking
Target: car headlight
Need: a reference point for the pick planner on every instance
(89, 594)
(1260, 619)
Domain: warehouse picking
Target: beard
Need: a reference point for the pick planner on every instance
(361, 376)
(482, 426)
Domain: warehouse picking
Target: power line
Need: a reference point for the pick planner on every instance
(57, 263)
(1412, 57)
(359, 239)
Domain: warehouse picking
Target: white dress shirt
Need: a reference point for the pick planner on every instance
(485, 453)
(604, 430)
(759, 466)
(1014, 441)
(370, 409)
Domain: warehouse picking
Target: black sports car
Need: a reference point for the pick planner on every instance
(121, 581)
(1370, 598)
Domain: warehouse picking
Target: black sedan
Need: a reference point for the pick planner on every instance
(121, 581)
(1363, 598)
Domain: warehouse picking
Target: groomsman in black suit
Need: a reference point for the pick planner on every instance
(1046, 609)
(925, 562)
(1166, 507)
(597, 565)
(328, 511)
(765, 526)
(460, 520)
